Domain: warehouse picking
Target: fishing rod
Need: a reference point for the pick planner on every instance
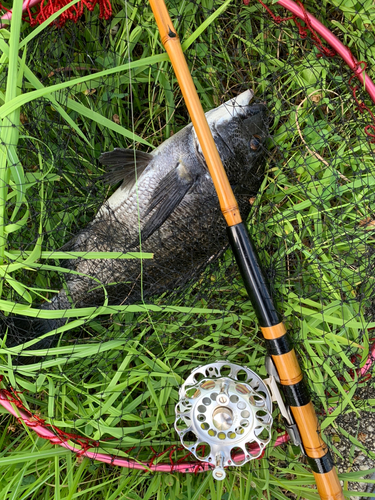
(282, 364)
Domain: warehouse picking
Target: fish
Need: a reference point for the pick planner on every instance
(166, 205)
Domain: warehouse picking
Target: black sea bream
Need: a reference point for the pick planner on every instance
(168, 201)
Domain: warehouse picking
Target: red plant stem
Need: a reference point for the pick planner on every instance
(47, 10)
(27, 4)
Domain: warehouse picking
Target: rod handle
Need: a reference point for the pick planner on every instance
(283, 355)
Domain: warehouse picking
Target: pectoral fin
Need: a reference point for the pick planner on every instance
(124, 165)
(168, 195)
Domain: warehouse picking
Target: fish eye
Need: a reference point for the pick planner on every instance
(255, 142)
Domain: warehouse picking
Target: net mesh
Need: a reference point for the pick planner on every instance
(104, 376)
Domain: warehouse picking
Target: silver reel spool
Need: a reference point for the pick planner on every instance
(224, 415)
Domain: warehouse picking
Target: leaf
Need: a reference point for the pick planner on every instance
(94, 116)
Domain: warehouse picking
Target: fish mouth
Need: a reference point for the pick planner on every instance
(238, 106)
(256, 108)
(240, 100)
(259, 113)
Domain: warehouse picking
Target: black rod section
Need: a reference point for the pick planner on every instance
(252, 275)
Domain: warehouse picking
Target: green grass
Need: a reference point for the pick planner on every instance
(120, 382)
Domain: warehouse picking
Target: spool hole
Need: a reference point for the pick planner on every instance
(225, 371)
(189, 439)
(242, 376)
(237, 455)
(203, 450)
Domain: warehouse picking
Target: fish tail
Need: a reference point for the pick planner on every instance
(21, 329)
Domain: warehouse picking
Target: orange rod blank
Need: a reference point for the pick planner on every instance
(273, 332)
(171, 42)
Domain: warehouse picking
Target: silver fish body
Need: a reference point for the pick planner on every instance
(166, 205)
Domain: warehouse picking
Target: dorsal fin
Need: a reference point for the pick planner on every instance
(122, 164)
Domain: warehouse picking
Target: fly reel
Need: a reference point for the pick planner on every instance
(224, 415)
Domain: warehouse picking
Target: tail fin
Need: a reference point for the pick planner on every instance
(22, 329)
